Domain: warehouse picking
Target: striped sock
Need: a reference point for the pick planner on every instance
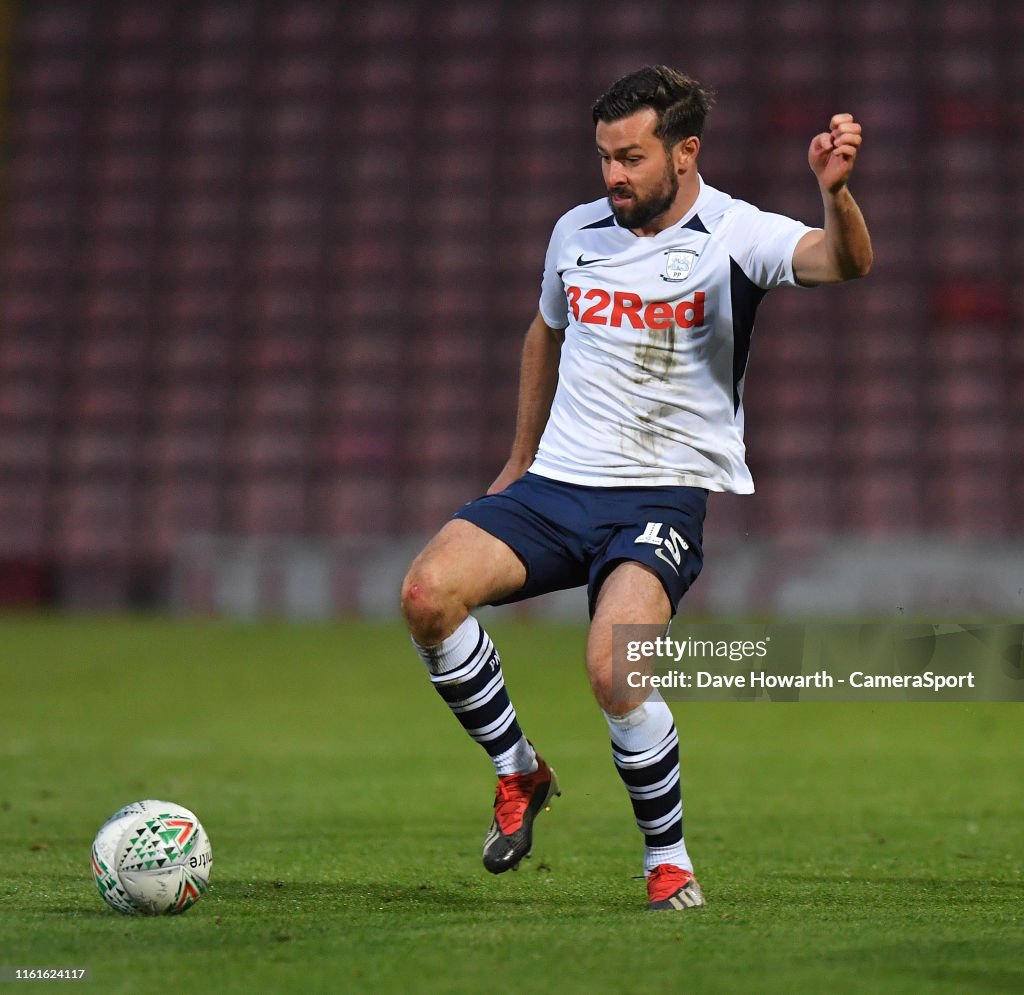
(466, 671)
(645, 749)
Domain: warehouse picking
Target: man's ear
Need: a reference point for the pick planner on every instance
(685, 153)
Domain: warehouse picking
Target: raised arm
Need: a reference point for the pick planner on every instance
(538, 377)
(842, 249)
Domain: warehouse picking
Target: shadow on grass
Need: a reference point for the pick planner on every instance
(977, 960)
(264, 896)
(964, 887)
(74, 896)
(974, 965)
(418, 896)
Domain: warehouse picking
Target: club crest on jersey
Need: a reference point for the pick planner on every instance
(679, 264)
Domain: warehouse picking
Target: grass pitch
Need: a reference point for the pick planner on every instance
(842, 847)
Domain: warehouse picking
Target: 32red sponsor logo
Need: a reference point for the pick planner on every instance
(621, 309)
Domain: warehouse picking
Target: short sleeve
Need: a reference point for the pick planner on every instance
(764, 246)
(553, 305)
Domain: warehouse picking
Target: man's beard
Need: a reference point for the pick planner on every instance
(642, 212)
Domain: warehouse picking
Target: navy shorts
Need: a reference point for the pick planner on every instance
(568, 535)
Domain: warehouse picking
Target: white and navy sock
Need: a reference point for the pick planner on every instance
(466, 671)
(645, 749)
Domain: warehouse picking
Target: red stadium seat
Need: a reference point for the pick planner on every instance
(94, 520)
(356, 448)
(25, 450)
(355, 504)
(174, 509)
(185, 451)
(22, 517)
(267, 452)
(142, 23)
(428, 502)
(267, 507)
(113, 352)
(101, 454)
(203, 402)
(108, 402)
(28, 352)
(303, 24)
(882, 503)
(25, 401)
(219, 26)
(199, 350)
(282, 402)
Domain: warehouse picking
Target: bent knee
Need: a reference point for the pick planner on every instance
(430, 610)
(421, 597)
(613, 695)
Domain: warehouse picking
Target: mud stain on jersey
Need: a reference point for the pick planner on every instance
(655, 355)
(645, 438)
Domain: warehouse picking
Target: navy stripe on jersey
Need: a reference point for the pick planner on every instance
(746, 296)
(695, 224)
(475, 692)
(652, 781)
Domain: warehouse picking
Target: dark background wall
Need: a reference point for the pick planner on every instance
(265, 269)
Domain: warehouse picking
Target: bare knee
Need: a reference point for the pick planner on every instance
(613, 697)
(612, 689)
(431, 610)
(607, 703)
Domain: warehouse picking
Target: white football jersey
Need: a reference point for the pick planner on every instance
(650, 383)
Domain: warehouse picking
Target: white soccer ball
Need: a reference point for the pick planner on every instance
(152, 858)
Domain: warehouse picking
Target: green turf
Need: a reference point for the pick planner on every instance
(843, 847)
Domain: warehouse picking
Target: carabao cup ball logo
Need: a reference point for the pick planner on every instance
(152, 857)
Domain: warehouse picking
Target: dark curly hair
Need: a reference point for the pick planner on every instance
(680, 102)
